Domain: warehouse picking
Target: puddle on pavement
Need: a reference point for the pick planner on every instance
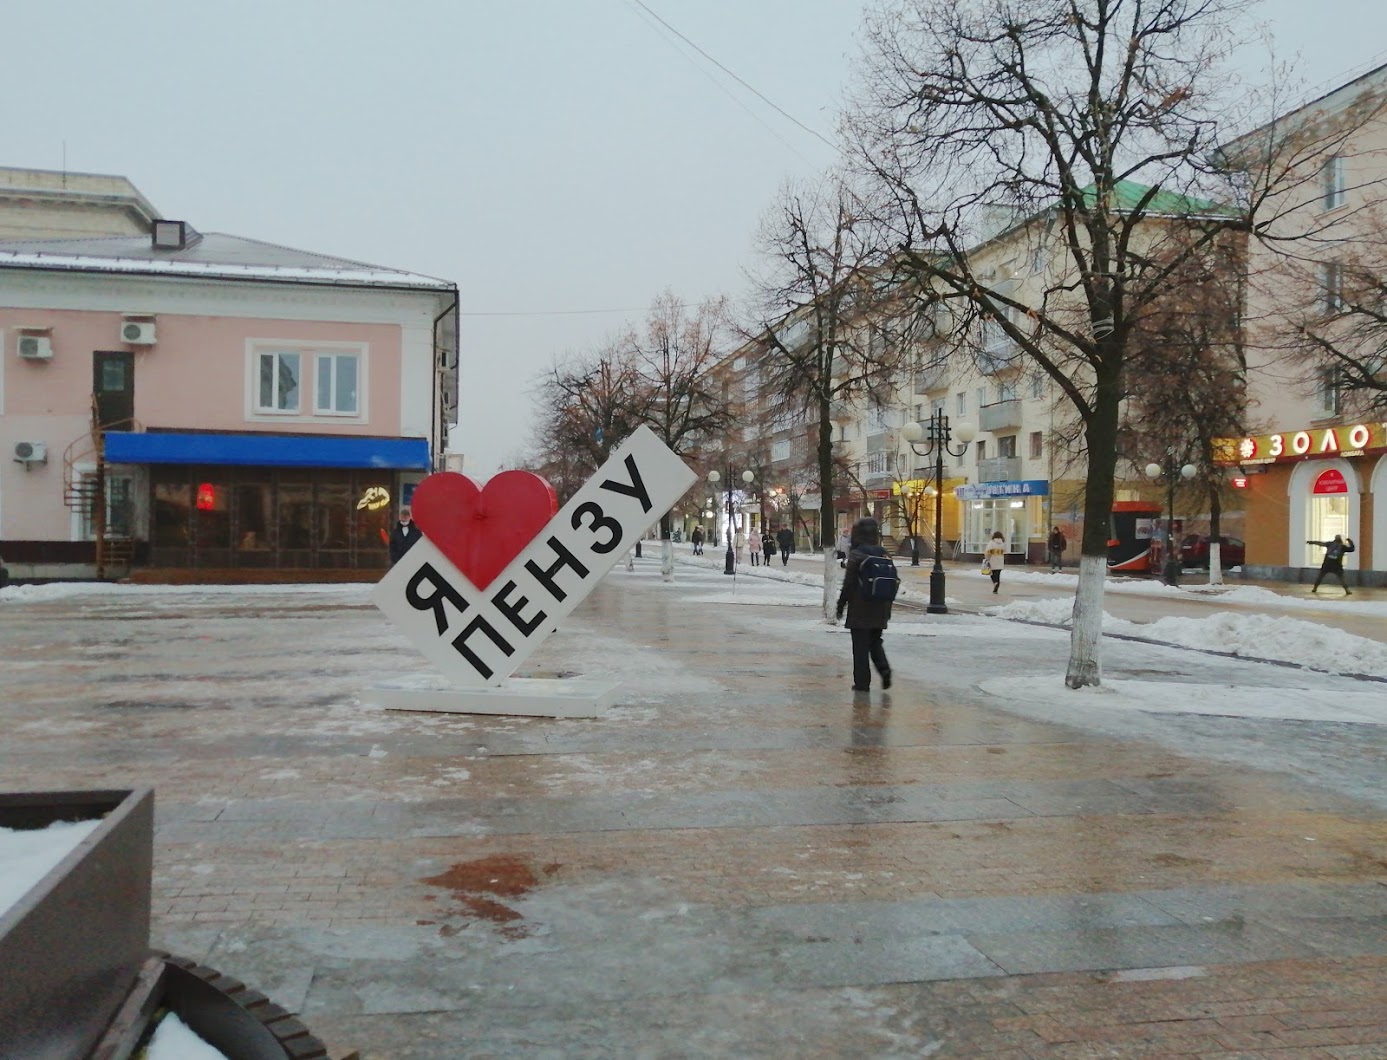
(478, 884)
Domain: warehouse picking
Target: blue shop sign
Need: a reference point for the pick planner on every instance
(1034, 487)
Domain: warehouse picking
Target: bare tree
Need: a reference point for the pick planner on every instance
(677, 390)
(1187, 378)
(1084, 134)
(823, 334)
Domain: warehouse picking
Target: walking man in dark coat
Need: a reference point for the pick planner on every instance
(403, 536)
(866, 618)
(785, 538)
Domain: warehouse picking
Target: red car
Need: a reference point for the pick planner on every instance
(1194, 551)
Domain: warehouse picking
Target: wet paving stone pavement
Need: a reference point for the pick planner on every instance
(740, 859)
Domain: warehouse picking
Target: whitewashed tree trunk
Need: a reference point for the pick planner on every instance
(1084, 666)
(1215, 562)
(666, 560)
(831, 586)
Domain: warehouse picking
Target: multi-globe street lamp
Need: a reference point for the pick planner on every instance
(936, 435)
(748, 477)
(1172, 471)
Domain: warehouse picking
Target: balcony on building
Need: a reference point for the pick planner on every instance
(1000, 415)
(935, 377)
(999, 469)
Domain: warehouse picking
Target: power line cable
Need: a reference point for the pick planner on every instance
(750, 88)
(660, 27)
(565, 312)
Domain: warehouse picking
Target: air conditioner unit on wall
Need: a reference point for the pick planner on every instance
(34, 347)
(137, 332)
(31, 452)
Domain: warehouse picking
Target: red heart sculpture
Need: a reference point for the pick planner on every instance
(482, 530)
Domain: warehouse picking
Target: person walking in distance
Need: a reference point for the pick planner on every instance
(1058, 543)
(785, 538)
(994, 558)
(753, 545)
(841, 548)
(738, 545)
(696, 539)
(767, 545)
(868, 607)
(1334, 552)
(403, 536)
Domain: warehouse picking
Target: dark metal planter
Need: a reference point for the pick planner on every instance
(70, 948)
(78, 980)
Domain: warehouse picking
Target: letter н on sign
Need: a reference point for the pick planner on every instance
(478, 635)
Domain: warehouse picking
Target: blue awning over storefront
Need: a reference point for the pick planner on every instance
(267, 450)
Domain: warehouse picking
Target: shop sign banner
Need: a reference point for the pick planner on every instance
(1348, 439)
(1036, 487)
(526, 570)
(1331, 481)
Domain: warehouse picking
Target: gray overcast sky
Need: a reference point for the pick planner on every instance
(547, 155)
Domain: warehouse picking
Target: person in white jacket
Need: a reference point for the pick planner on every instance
(994, 558)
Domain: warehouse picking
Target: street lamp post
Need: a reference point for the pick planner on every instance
(936, 435)
(1173, 472)
(730, 561)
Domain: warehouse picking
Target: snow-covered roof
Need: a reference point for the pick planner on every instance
(212, 255)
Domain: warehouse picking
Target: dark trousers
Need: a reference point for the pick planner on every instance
(1337, 571)
(996, 573)
(866, 645)
(784, 555)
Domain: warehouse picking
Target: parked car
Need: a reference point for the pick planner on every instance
(1194, 551)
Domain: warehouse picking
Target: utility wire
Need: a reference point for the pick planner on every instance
(662, 28)
(757, 93)
(564, 312)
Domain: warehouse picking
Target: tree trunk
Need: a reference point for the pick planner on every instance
(1100, 434)
(666, 548)
(1215, 532)
(827, 531)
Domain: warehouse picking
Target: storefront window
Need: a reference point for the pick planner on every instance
(173, 505)
(212, 510)
(1328, 516)
(294, 508)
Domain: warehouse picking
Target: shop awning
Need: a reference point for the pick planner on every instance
(267, 450)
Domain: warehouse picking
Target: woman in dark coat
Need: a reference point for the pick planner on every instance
(866, 618)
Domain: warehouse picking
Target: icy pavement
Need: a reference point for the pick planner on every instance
(741, 858)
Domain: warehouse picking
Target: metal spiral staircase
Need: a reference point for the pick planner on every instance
(85, 493)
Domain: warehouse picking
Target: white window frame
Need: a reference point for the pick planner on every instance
(1335, 182)
(309, 353)
(275, 409)
(1331, 397)
(1333, 275)
(324, 358)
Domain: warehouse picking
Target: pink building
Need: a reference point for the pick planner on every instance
(182, 400)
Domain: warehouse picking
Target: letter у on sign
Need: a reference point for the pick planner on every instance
(478, 636)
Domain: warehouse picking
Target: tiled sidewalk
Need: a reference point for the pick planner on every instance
(739, 860)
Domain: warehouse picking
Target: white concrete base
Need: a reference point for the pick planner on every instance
(530, 697)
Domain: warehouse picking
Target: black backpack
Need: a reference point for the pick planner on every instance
(876, 576)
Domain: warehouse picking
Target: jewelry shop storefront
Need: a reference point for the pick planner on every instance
(268, 502)
(1310, 485)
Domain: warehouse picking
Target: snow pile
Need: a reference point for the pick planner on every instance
(27, 855)
(175, 1041)
(1254, 636)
